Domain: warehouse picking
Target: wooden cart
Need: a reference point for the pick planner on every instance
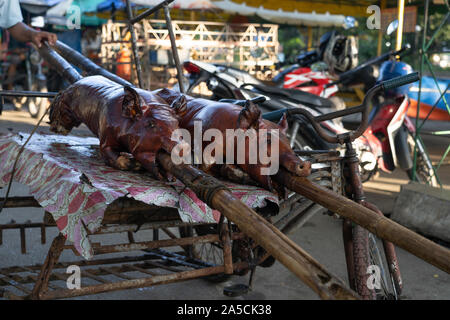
(177, 251)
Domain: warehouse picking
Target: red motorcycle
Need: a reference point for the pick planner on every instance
(315, 82)
(314, 69)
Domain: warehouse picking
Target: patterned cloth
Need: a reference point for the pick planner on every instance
(68, 178)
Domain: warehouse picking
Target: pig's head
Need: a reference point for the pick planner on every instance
(153, 121)
(62, 118)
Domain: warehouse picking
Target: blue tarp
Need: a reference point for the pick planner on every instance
(110, 5)
(49, 3)
(89, 6)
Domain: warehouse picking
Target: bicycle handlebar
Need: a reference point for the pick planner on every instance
(315, 121)
(400, 81)
(363, 109)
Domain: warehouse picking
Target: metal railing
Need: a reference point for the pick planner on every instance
(424, 60)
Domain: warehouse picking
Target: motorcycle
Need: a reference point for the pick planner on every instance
(315, 70)
(310, 74)
(388, 142)
(28, 76)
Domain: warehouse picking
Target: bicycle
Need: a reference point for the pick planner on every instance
(363, 257)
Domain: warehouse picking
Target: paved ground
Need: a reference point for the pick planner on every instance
(321, 237)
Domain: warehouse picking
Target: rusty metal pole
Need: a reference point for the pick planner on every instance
(137, 60)
(173, 43)
(380, 31)
(137, 283)
(151, 11)
(227, 247)
(41, 286)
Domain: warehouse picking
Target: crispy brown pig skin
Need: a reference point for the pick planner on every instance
(225, 116)
(125, 119)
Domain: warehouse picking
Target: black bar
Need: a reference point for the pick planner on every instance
(176, 58)
(82, 62)
(311, 152)
(274, 115)
(151, 11)
(64, 69)
(340, 113)
(32, 94)
(137, 60)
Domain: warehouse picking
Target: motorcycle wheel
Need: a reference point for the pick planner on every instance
(424, 168)
(18, 102)
(37, 106)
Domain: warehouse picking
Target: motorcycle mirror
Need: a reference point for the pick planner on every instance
(350, 22)
(392, 27)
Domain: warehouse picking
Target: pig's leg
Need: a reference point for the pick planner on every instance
(254, 171)
(113, 156)
(128, 161)
(235, 174)
(148, 161)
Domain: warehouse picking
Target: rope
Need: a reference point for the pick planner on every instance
(205, 187)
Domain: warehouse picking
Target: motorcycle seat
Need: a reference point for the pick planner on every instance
(279, 78)
(301, 97)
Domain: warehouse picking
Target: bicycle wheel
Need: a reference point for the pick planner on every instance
(424, 168)
(361, 263)
(211, 253)
(372, 280)
(387, 289)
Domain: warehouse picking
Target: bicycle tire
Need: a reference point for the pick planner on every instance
(361, 258)
(424, 168)
(208, 252)
(368, 256)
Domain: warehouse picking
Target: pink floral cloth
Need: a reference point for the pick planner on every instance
(68, 178)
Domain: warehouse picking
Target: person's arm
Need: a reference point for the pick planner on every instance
(23, 33)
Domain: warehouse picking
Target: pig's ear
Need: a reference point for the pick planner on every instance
(131, 105)
(283, 124)
(249, 116)
(179, 105)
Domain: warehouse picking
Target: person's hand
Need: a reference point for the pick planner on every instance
(37, 37)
